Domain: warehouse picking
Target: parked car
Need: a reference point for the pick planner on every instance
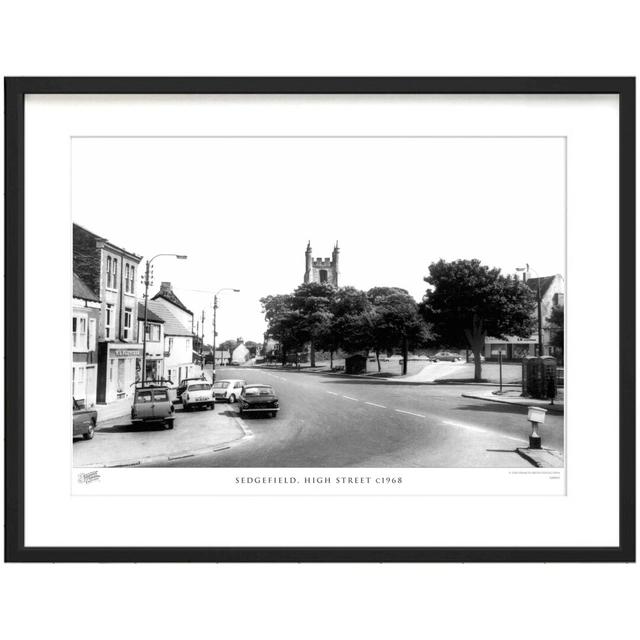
(227, 390)
(182, 386)
(197, 394)
(472, 357)
(152, 404)
(259, 398)
(84, 421)
(446, 356)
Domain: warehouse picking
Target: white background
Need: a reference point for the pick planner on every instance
(53, 517)
(465, 38)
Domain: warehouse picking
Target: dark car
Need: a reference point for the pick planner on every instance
(152, 404)
(446, 356)
(84, 421)
(259, 398)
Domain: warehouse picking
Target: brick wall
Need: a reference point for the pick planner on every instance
(86, 257)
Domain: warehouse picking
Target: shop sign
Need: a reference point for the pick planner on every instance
(125, 353)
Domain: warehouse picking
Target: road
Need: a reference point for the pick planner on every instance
(334, 421)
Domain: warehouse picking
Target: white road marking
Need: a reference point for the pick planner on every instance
(373, 404)
(470, 427)
(333, 393)
(410, 413)
(516, 439)
(350, 398)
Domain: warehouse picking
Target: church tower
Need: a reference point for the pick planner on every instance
(322, 269)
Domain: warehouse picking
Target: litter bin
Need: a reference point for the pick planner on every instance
(540, 377)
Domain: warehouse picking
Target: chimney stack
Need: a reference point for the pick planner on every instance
(165, 287)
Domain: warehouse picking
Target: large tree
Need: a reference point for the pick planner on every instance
(351, 327)
(312, 301)
(284, 324)
(556, 322)
(470, 301)
(396, 322)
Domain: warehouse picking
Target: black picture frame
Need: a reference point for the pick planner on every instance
(15, 91)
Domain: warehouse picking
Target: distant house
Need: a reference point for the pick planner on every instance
(178, 334)
(514, 348)
(223, 357)
(240, 354)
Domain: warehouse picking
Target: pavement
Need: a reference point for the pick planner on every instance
(421, 372)
(341, 421)
(514, 397)
(118, 442)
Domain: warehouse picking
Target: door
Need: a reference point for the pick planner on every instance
(161, 404)
(91, 386)
(144, 404)
(121, 376)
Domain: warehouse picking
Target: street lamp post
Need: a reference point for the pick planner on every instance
(146, 301)
(527, 268)
(215, 309)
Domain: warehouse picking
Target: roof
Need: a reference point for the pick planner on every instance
(82, 291)
(108, 242)
(172, 326)
(151, 317)
(545, 283)
(171, 297)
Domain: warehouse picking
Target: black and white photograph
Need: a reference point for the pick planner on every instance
(319, 301)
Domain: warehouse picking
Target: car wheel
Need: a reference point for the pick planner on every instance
(274, 414)
(232, 399)
(241, 412)
(169, 424)
(90, 433)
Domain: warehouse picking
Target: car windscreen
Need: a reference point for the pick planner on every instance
(199, 387)
(161, 395)
(143, 396)
(220, 385)
(258, 391)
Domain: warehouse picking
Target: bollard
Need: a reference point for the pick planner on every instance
(536, 416)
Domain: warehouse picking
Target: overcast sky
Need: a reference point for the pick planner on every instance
(243, 210)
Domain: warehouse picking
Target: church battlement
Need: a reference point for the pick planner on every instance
(322, 269)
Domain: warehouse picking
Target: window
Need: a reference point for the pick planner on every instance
(170, 345)
(161, 395)
(127, 324)
(323, 275)
(79, 329)
(144, 396)
(558, 299)
(108, 322)
(153, 332)
(108, 272)
(115, 273)
(126, 278)
(132, 271)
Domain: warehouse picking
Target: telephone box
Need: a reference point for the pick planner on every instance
(540, 377)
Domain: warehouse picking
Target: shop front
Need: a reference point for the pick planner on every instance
(119, 367)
